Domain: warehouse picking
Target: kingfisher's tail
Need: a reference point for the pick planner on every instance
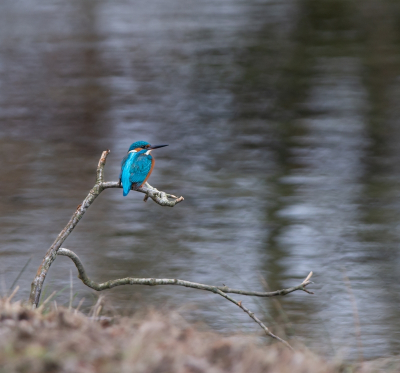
(126, 187)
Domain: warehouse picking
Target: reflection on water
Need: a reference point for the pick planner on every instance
(282, 124)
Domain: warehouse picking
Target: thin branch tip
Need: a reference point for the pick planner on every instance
(104, 156)
(309, 276)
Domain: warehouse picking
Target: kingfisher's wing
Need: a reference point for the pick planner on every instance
(125, 174)
(140, 169)
(122, 165)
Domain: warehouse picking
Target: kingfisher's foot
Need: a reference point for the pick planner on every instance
(120, 183)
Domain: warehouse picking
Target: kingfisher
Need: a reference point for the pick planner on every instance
(137, 165)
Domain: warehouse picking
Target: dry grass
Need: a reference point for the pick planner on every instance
(66, 341)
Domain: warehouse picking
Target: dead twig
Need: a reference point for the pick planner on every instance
(221, 290)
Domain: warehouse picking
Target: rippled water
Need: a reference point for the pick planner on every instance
(282, 120)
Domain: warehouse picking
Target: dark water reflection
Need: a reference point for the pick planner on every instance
(282, 120)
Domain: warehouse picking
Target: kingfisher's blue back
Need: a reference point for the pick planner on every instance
(137, 165)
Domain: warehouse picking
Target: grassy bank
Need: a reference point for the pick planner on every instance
(62, 340)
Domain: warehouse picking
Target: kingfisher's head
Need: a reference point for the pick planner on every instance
(143, 145)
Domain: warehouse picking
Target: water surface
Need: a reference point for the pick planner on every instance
(282, 120)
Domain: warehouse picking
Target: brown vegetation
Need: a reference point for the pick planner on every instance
(62, 340)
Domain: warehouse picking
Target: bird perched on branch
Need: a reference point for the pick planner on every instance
(137, 165)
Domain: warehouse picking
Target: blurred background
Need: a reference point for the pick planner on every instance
(283, 124)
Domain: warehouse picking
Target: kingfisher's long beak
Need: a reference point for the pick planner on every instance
(157, 146)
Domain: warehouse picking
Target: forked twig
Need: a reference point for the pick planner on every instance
(221, 290)
(157, 196)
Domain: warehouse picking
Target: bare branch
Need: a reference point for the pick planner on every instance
(275, 293)
(159, 197)
(255, 318)
(221, 290)
(100, 167)
(165, 281)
